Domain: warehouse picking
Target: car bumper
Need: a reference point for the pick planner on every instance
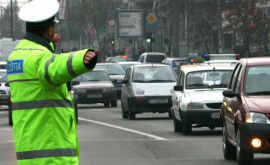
(106, 97)
(3, 99)
(251, 131)
(141, 104)
(202, 117)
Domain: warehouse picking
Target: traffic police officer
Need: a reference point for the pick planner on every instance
(42, 109)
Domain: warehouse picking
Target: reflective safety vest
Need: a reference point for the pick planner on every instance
(44, 122)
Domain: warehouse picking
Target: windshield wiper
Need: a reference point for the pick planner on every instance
(223, 85)
(260, 93)
(201, 85)
(161, 81)
(138, 81)
(114, 74)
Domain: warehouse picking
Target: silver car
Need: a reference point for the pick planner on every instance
(4, 90)
(147, 88)
(197, 98)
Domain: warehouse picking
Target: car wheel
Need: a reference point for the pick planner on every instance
(114, 103)
(106, 104)
(186, 128)
(212, 127)
(229, 151)
(131, 114)
(177, 124)
(243, 157)
(124, 113)
(170, 114)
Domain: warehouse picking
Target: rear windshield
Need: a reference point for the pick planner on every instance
(154, 58)
(177, 63)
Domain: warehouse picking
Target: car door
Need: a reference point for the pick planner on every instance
(125, 89)
(231, 105)
(178, 95)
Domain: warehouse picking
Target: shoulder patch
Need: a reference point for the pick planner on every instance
(15, 67)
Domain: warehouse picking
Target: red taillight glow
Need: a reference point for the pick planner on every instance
(124, 56)
(238, 57)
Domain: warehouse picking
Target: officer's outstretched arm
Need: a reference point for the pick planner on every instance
(61, 68)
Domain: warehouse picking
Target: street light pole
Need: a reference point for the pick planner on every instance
(11, 20)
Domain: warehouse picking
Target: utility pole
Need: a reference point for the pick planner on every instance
(186, 27)
(11, 20)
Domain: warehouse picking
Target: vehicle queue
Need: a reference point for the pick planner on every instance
(209, 94)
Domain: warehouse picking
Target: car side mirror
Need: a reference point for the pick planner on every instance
(72, 83)
(114, 81)
(124, 81)
(7, 84)
(178, 88)
(230, 93)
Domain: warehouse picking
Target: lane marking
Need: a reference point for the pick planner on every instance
(5, 129)
(121, 140)
(125, 129)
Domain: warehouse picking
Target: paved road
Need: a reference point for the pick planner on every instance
(107, 139)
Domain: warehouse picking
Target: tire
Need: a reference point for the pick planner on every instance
(10, 122)
(124, 113)
(243, 157)
(212, 128)
(186, 128)
(114, 103)
(106, 104)
(170, 114)
(177, 124)
(131, 114)
(229, 151)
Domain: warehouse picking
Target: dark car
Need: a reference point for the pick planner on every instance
(176, 62)
(95, 87)
(116, 72)
(246, 111)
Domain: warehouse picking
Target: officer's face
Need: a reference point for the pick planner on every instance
(51, 33)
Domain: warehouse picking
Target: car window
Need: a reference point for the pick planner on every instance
(238, 81)
(233, 79)
(182, 80)
(2, 58)
(154, 58)
(208, 79)
(257, 80)
(179, 78)
(154, 74)
(178, 63)
(127, 74)
(112, 69)
(142, 59)
(93, 76)
(3, 77)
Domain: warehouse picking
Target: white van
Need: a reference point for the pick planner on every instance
(152, 57)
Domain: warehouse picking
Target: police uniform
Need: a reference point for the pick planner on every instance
(42, 110)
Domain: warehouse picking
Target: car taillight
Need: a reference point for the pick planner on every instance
(238, 57)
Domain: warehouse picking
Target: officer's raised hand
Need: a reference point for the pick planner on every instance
(89, 56)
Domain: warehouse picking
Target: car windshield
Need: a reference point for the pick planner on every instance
(93, 76)
(257, 80)
(3, 77)
(177, 63)
(208, 79)
(154, 58)
(126, 66)
(112, 69)
(2, 58)
(117, 59)
(153, 74)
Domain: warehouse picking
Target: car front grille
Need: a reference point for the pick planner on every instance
(94, 90)
(3, 67)
(2, 92)
(214, 105)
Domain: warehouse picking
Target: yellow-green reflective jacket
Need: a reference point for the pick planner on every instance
(42, 110)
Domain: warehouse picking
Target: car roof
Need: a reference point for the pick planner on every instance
(107, 64)
(99, 70)
(256, 61)
(207, 67)
(128, 62)
(143, 65)
(176, 58)
(153, 53)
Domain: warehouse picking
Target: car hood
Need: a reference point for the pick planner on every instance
(258, 103)
(117, 77)
(206, 96)
(155, 89)
(94, 84)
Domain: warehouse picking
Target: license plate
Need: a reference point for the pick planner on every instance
(94, 96)
(3, 97)
(215, 115)
(158, 101)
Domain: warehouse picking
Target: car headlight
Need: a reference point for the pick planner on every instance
(108, 89)
(257, 118)
(81, 91)
(195, 106)
(139, 92)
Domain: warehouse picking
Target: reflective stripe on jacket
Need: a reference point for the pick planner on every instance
(44, 122)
